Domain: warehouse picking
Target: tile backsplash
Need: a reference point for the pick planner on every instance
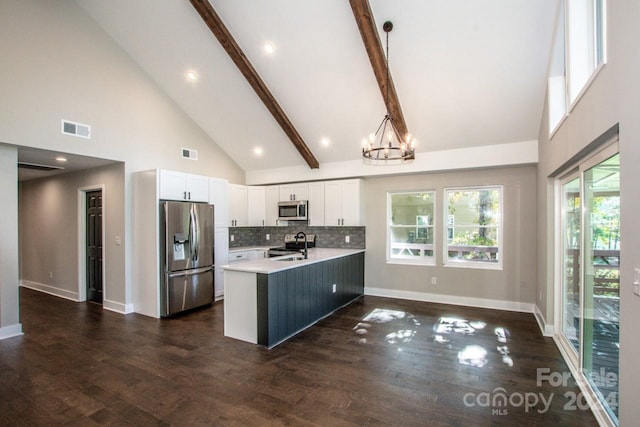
(326, 237)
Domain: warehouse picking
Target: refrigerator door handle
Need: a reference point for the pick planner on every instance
(191, 272)
(196, 216)
(166, 235)
(192, 234)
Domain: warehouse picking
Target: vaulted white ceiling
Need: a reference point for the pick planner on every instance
(468, 73)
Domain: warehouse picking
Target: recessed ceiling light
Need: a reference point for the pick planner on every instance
(269, 48)
(191, 75)
(325, 142)
(61, 159)
(257, 151)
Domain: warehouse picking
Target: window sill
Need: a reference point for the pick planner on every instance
(473, 265)
(585, 88)
(409, 261)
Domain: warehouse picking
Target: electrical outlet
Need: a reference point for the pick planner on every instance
(636, 281)
(231, 237)
(268, 236)
(334, 289)
(434, 280)
(118, 241)
(51, 275)
(347, 239)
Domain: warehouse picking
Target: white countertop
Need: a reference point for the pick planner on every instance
(272, 265)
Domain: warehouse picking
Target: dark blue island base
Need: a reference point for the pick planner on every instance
(292, 300)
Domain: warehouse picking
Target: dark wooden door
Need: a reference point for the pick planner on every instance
(94, 246)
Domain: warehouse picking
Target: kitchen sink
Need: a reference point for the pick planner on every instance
(291, 258)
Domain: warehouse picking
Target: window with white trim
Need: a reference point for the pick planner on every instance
(556, 84)
(578, 53)
(410, 219)
(585, 43)
(476, 239)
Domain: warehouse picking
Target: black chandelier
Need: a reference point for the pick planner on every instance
(387, 144)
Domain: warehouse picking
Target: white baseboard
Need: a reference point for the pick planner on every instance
(219, 296)
(73, 296)
(547, 330)
(118, 307)
(51, 290)
(450, 299)
(11, 331)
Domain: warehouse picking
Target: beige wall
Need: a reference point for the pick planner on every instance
(49, 229)
(614, 97)
(58, 64)
(514, 283)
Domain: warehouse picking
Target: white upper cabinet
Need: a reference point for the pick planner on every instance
(183, 186)
(342, 203)
(238, 205)
(316, 204)
(256, 206)
(272, 197)
(198, 188)
(294, 192)
(219, 198)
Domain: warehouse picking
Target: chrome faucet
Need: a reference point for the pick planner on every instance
(304, 236)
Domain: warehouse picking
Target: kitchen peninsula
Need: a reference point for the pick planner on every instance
(269, 300)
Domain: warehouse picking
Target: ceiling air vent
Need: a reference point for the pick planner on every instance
(76, 129)
(189, 153)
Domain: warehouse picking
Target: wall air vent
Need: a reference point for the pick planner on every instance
(38, 167)
(190, 154)
(76, 129)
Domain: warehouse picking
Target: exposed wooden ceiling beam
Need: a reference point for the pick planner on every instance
(220, 31)
(367, 26)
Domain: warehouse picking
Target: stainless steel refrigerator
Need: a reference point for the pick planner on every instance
(187, 245)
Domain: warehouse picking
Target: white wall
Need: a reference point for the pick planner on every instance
(513, 287)
(49, 230)
(612, 98)
(57, 63)
(9, 317)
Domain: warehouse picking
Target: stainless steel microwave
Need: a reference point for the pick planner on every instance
(297, 210)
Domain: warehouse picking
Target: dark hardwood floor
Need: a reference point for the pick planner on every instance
(413, 364)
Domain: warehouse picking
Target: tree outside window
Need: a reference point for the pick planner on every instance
(477, 213)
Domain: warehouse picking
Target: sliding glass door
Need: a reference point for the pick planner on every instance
(601, 296)
(571, 263)
(590, 272)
